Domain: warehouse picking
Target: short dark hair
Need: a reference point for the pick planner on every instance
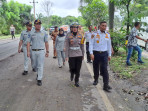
(103, 22)
(137, 23)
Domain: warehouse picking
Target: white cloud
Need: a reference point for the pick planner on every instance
(60, 7)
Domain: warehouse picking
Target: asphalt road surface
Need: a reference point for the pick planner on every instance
(20, 93)
(8, 48)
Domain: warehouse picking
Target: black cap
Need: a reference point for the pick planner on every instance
(28, 23)
(37, 21)
(55, 26)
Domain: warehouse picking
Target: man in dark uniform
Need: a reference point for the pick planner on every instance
(100, 51)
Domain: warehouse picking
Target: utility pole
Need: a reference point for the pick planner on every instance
(34, 7)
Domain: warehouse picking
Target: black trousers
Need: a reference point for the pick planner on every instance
(101, 59)
(12, 34)
(75, 66)
(87, 52)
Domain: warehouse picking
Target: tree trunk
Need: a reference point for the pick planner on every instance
(128, 17)
(111, 15)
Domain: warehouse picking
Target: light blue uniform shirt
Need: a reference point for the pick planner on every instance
(38, 39)
(24, 37)
(100, 42)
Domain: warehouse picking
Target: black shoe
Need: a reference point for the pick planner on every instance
(60, 67)
(54, 57)
(107, 88)
(95, 83)
(33, 70)
(39, 83)
(140, 62)
(25, 73)
(128, 64)
(71, 77)
(77, 84)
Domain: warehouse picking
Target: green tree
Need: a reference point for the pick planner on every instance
(94, 12)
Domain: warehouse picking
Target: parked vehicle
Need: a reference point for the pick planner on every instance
(65, 28)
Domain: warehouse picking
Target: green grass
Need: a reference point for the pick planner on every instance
(8, 36)
(118, 65)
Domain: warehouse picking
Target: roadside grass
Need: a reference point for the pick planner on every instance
(8, 36)
(118, 65)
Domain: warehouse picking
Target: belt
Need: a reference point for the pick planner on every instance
(37, 49)
(74, 48)
(100, 51)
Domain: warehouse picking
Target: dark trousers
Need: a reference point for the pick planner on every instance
(12, 33)
(101, 59)
(75, 66)
(87, 52)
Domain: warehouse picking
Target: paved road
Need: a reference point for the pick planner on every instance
(20, 93)
(8, 47)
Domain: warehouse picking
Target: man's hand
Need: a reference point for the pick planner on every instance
(109, 58)
(113, 51)
(92, 57)
(145, 40)
(66, 59)
(28, 54)
(19, 50)
(47, 54)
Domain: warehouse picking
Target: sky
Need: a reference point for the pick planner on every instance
(61, 8)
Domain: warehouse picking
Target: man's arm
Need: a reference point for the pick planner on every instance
(141, 38)
(19, 47)
(109, 47)
(47, 49)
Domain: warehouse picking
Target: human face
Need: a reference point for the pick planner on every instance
(61, 31)
(71, 29)
(138, 27)
(79, 26)
(103, 26)
(29, 27)
(75, 29)
(37, 26)
(56, 29)
(90, 28)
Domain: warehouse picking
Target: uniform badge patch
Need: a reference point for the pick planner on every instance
(97, 41)
(106, 36)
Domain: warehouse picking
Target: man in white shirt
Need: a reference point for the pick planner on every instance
(87, 37)
(100, 52)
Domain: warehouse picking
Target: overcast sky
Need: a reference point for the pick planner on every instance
(60, 7)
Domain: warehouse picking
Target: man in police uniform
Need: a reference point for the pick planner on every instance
(53, 36)
(39, 40)
(23, 44)
(100, 51)
(87, 37)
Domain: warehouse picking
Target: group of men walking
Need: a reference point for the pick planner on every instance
(69, 47)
